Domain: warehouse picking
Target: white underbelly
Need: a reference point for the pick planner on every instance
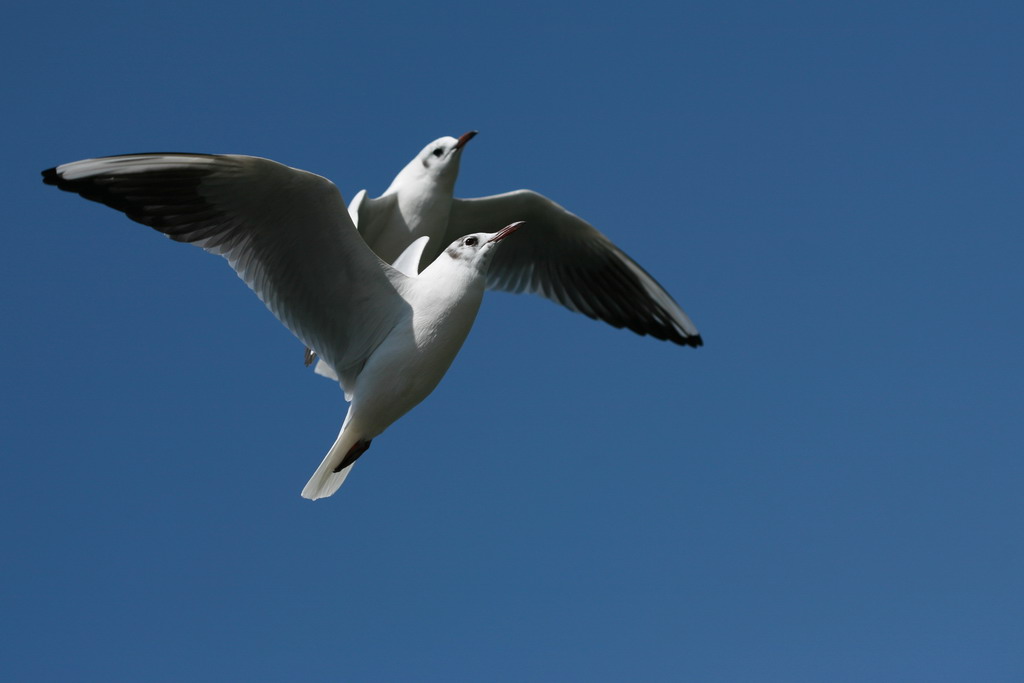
(407, 367)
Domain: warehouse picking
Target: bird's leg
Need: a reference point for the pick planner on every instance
(353, 454)
(310, 356)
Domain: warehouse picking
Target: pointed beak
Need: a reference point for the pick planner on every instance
(506, 231)
(466, 137)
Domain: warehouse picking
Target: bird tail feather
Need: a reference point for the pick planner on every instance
(325, 481)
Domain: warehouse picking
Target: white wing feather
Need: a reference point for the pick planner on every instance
(286, 233)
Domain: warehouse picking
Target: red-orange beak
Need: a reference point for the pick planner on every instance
(466, 137)
(506, 231)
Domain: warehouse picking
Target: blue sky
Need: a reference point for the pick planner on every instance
(830, 489)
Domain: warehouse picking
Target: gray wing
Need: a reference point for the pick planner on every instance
(286, 233)
(562, 257)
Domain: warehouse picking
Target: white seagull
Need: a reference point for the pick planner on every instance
(388, 338)
(560, 256)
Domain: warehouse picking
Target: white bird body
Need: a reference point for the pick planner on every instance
(416, 204)
(409, 363)
(386, 337)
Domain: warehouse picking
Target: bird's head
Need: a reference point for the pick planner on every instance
(477, 248)
(438, 162)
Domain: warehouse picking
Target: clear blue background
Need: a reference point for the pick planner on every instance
(829, 490)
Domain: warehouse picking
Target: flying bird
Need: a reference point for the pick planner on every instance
(387, 338)
(561, 256)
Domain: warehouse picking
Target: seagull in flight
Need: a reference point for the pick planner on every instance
(560, 256)
(387, 338)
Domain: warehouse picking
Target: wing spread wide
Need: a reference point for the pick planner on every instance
(286, 233)
(562, 257)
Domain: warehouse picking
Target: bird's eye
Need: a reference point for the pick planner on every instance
(471, 241)
(438, 151)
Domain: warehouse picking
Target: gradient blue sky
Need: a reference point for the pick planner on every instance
(829, 490)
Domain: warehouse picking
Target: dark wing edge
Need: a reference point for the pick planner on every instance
(562, 257)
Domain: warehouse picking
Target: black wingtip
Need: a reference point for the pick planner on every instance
(50, 176)
(693, 341)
